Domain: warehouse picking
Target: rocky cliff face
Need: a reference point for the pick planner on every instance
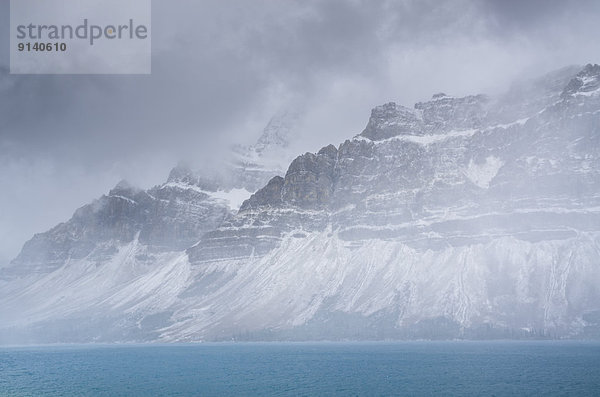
(169, 217)
(166, 218)
(443, 216)
(460, 217)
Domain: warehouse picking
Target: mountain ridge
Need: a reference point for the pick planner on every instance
(459, 218)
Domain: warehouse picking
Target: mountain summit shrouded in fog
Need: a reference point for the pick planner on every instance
(460, 217)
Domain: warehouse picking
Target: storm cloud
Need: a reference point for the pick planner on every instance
(222, 68)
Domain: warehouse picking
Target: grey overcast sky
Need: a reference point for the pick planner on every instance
(221, 68)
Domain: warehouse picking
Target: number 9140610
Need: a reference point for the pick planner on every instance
(42, 47)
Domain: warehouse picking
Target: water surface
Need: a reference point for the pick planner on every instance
(281, 369)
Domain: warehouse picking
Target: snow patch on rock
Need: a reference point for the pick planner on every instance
(482, 174)
(233, 197)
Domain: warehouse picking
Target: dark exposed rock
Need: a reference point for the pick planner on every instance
(269, 195)
(169, 217)
(442, 113)
(586, 81)
(457, 157)
(310, 178)
(446, 113)
(391, 120)
(166, 217)
(298, 201)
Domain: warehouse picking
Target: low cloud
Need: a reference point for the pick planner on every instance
(221, 69)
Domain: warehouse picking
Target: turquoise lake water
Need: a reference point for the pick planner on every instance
(310, 369)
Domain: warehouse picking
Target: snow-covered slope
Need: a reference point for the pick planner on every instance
(322, 286)
(464, 217)
(126, 235)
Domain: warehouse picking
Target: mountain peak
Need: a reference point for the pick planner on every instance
(439, 95)
(442, 113)
(585, 83)
(390, 120)
(182, 172)
(123, 188)
(280, 130)
(591, 69)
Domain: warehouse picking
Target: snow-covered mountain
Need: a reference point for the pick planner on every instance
(271, 154)
(150, 225)
(470, 217)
